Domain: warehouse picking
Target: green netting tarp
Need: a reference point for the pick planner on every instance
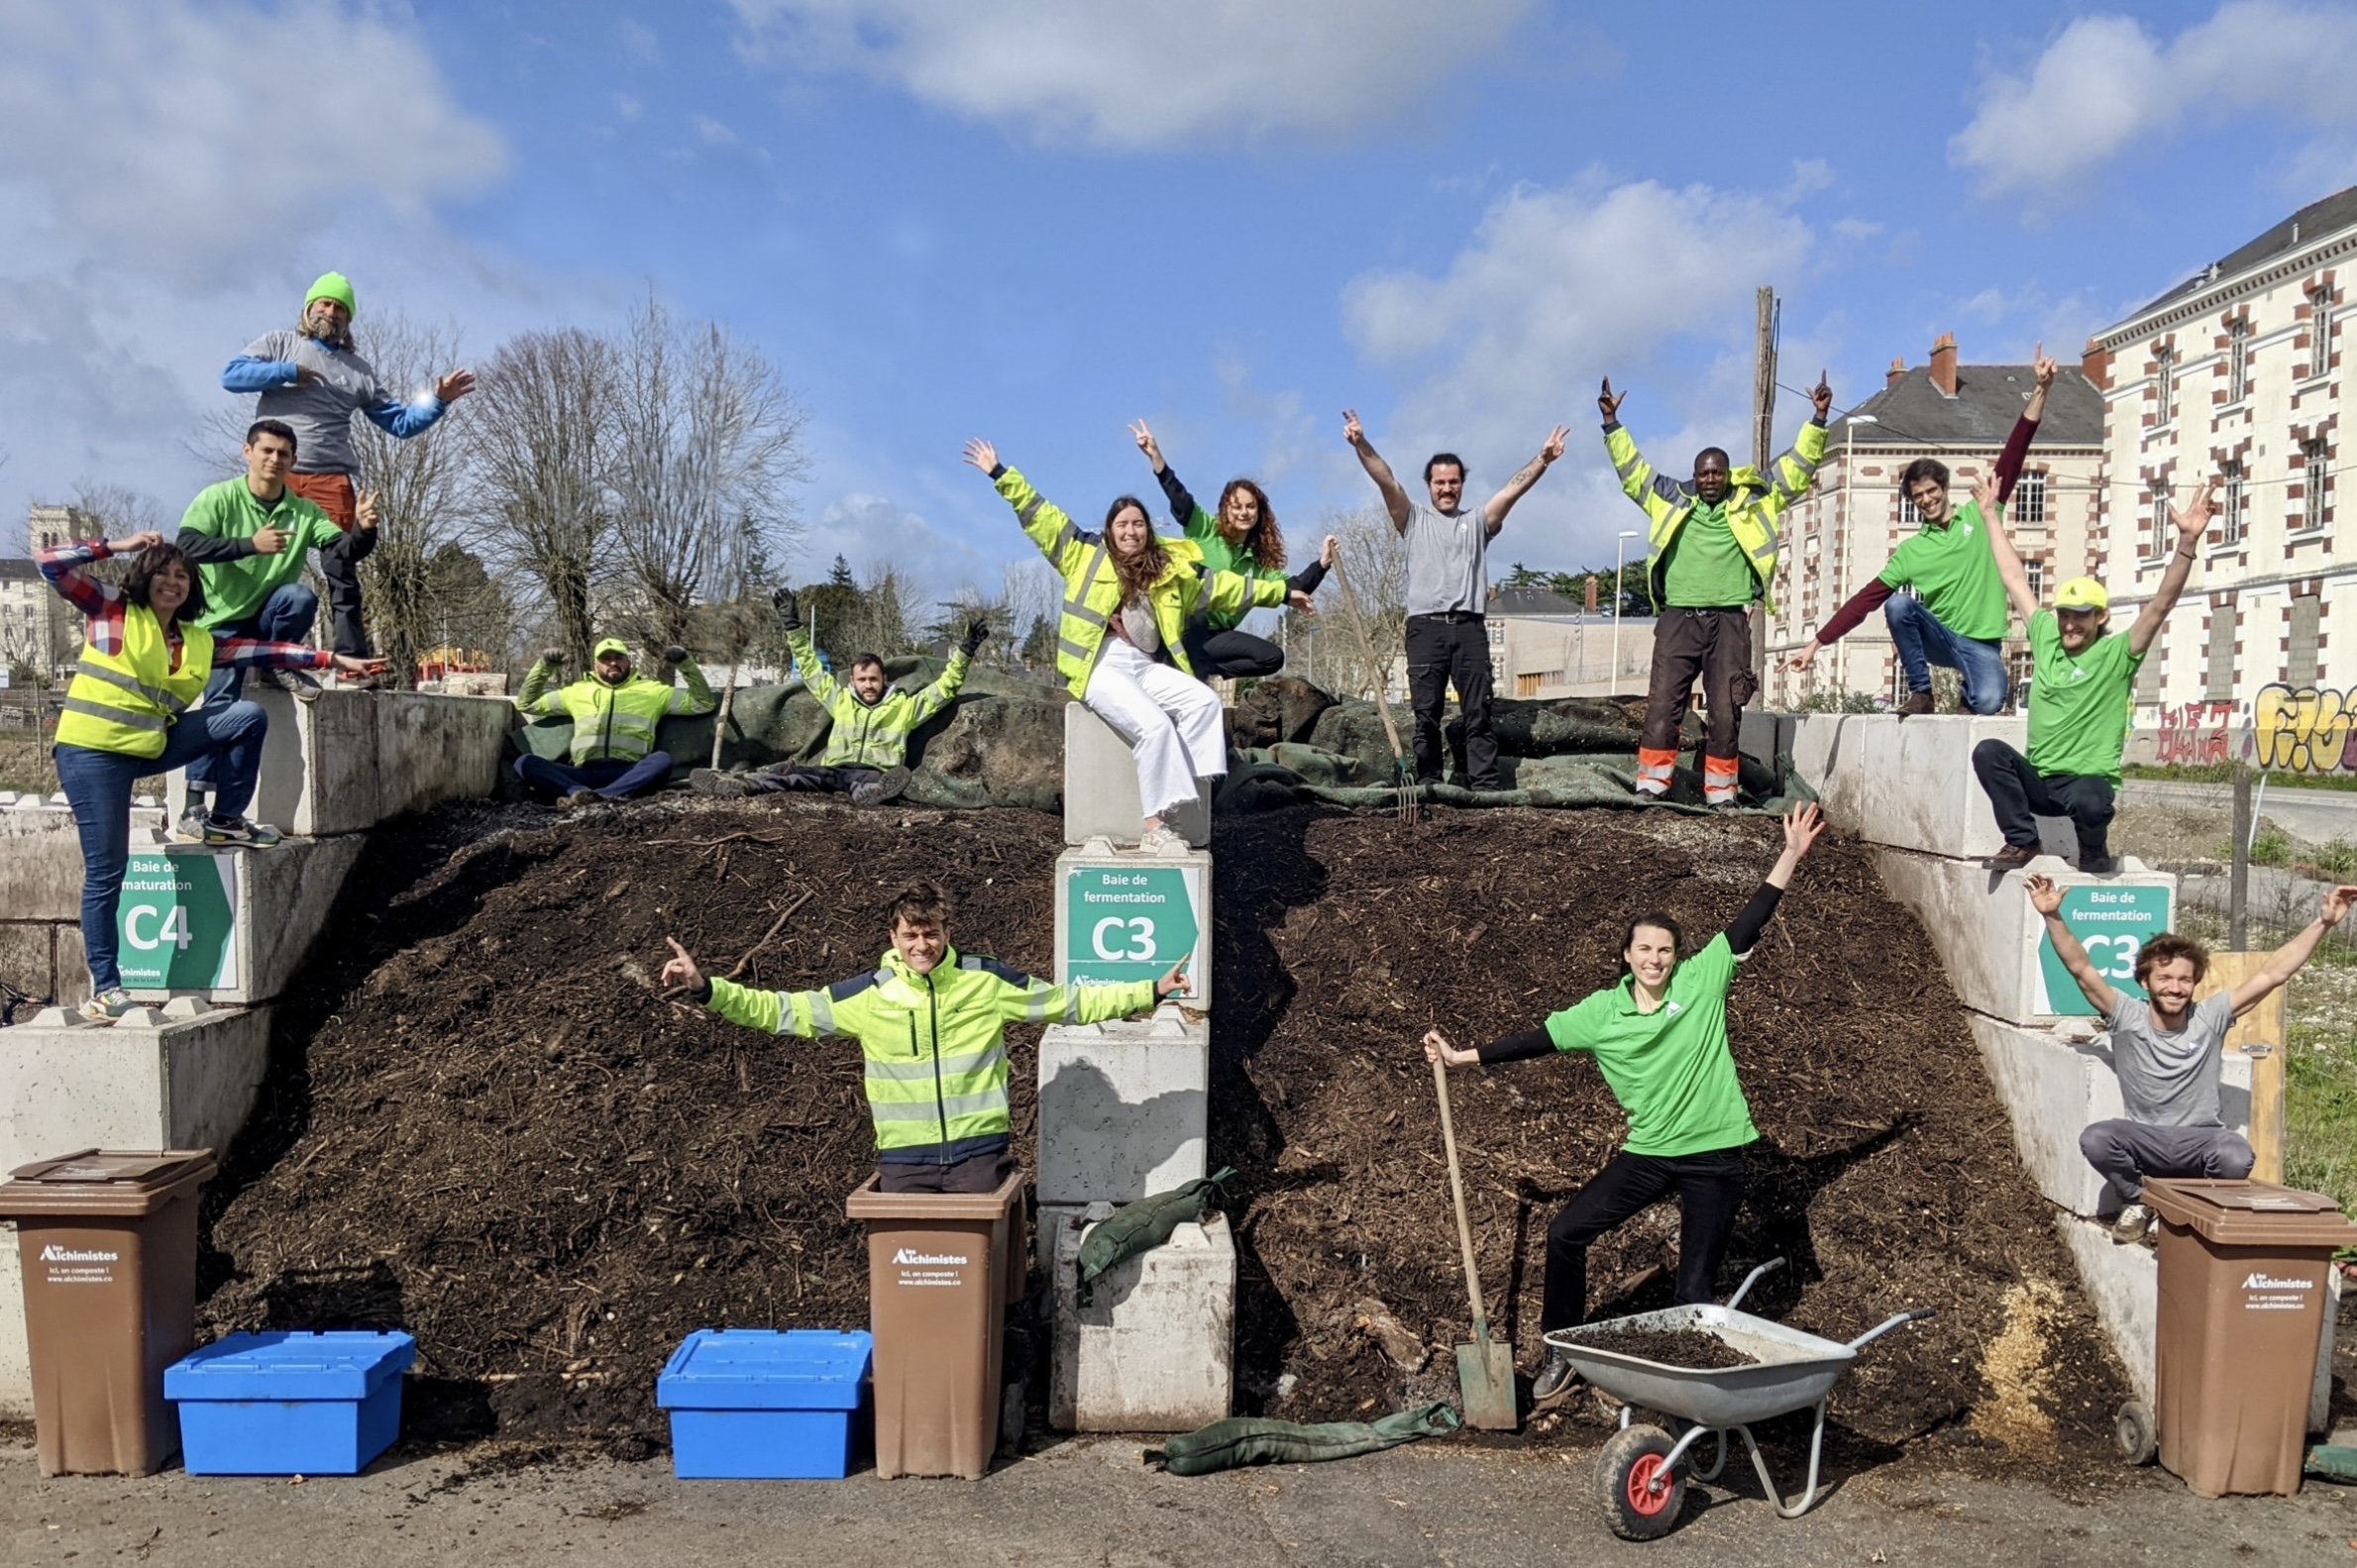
(1259, 1440)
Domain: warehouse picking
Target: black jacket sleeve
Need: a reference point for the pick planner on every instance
(202, 548)
(356, 544)
(1744, 928)
(1182, 501)
(1305, 580)
(1526, 1046)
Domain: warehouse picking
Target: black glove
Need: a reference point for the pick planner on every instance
(675, 655)
(554, 658)
(788, 617)
(975, 631)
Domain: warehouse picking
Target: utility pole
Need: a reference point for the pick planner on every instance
(1763, 415)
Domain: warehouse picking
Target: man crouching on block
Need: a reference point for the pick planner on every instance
(2168, 1051)
(932, 1023)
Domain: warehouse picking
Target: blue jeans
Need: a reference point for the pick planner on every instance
(1923, 642)
(98, 783)
(284, 617)
(606, 776)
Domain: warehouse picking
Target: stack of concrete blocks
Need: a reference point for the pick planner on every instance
(184, 1070)
(1906, 787)
(1101, 787)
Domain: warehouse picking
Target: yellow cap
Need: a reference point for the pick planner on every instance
(2081, 594)
(615, 645)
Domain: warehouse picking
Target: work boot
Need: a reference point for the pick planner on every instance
(2133, 1221)
(577, 799)
(1917, 702)
(886, 786)
(714, 783)
(1556, 1374)
(2012, 858)
(2100, 865)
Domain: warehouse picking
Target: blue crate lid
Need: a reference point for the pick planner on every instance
(766, 1369)
(302, 1364)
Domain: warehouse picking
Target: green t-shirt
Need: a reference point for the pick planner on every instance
(235, 590)
(1956, 574)
(1706, 569)
(2080, 707)
(1670, 1068)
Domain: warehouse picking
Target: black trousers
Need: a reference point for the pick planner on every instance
(1238, 656)
(1709, 1189)
(981, 1173)
(1446, 651)
(347, 631)
(2021, 795)
(1714, 645)
(782, 777)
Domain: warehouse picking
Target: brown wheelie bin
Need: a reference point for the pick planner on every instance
(2244, 1285)
(108, 1242)
(941, 1269)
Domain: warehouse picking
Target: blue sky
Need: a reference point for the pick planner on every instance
(944, 218)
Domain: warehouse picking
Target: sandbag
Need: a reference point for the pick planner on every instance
(1143, 1225)
(1259, 1440)
(2327, 1462)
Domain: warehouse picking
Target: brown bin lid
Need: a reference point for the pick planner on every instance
(2249, 1214)
(119, 1183)
(866, 1202)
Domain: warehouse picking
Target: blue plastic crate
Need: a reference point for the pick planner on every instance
(760, 1403)
(280, 1404)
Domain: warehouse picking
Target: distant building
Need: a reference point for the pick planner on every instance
(37, 629)
(1840, 536)
(1546, 646)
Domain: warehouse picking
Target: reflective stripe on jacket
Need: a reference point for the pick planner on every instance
(871, 736)
(1754, 502)
(617, 721)
(934, 1043)
(1093, 587)
(126, 701)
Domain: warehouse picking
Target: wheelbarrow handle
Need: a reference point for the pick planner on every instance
(1881, 1329)
(1752, 1279)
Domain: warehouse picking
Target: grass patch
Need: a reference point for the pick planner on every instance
(2320, 1115)
(2224, 773)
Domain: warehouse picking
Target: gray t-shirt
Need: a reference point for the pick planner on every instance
(1447, 566)
(320, 415)
(2171, 1080)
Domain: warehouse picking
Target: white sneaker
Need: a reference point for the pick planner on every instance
(2133, 1221)
(1161, 841)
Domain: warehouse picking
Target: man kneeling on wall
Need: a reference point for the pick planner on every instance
(2168, 1052)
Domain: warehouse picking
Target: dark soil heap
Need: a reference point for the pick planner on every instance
(1671, 1347)
(484, 1124)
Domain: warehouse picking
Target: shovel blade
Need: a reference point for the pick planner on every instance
(1486, 1383)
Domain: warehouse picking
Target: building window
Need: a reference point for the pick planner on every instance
(2319, 331)
(1909, 517)
(2230, 503)
(2023, 667)
(2029, 498)
(2300, 669)
(2150, 673)
(2161, 526)
(2224, 622)
(2238, 361)
(1527, 684)
(2314, 476)
(2036, 572)
(2164, 381)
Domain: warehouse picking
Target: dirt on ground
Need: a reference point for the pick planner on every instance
(485, 1124)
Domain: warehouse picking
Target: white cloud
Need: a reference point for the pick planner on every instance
(2106, 83)
(715, 134)
(1856, 228)
(1132, 77)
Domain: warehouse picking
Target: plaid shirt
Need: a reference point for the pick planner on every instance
(104, 603)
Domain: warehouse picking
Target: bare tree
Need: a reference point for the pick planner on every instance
(420, 489)
(1374, 571)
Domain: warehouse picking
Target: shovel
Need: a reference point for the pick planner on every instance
(1484, 1370)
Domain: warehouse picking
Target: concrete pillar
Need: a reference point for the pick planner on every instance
(1101, 787)
(1123, 1107)
(1153, 1348)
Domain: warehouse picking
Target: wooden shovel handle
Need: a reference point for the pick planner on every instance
(1456, 1191)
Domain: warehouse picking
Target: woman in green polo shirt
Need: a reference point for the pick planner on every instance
(1659, 1038)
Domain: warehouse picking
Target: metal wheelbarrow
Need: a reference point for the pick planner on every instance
(1639, 1477)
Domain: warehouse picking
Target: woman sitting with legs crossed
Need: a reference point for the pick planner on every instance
(1128, 594)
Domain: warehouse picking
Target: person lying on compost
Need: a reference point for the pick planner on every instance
(932, 1023)
(1659, 1038)
(2167, 1050)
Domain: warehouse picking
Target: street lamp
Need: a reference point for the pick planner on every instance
(1619, 556)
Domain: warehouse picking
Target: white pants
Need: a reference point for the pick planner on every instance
(1170, 719)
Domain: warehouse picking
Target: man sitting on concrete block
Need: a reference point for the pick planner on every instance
(1957, 617)
(2080, 694)
(932, 1024)
(867, 743)
(614, 714)
(2166, 1052)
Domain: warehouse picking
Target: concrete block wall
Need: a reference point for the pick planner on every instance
(1152, 1350)
(1101, 787)
(283, 895)
(41, 892)
(1122, 1109)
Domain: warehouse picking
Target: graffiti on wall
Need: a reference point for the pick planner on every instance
(2194, 733)
(2307, 729)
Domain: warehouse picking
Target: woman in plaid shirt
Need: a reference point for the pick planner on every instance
(131, 715)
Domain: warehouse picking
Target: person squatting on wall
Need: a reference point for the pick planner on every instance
(1659, 1038)
(869, 722)
(1958, 613)
(314, 381)
(932, 1024)
(614, 713)
(1711, 554)
(1121, 637)
(1242, 538)
(1447, 634)
(133, 711)
(2166, 1052)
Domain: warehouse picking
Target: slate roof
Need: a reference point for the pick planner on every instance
(19, 569)
(1987, 401)
(2304, 227)
(1534, 601)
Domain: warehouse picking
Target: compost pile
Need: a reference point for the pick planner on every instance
(485, 1124)
(1672, 1347)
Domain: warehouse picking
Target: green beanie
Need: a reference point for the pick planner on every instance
(335, 286)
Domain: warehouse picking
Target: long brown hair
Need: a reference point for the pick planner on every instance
(1140, 572)
(1262, 542)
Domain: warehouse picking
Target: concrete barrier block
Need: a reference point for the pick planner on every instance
(1154, 1349)
(432, 748)
(1123, 1107)
(1906, 782)
(1124, 915)
(2123, 1285)
(185, 1083)
(1101, 787)
(41, 859)
(356, 757)
(282, 896)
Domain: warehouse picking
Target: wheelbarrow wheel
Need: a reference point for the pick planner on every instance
(1641, 1497)
(2135, 1433)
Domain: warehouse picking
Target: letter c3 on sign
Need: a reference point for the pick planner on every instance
(1140, 932)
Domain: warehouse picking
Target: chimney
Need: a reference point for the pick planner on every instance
(1943, 364)
(1592, 593)
(1897, 371)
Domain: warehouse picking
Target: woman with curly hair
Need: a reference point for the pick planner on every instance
(1128, 594)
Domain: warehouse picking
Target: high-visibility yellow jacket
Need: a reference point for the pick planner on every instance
(935, 1043)
(871, 735)
(616, 720)
(126, 701)
(1754, 502)
(1093, 587)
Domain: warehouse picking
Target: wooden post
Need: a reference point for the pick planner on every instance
(2238, 877)
(2261, 1032)
(1764, 416)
